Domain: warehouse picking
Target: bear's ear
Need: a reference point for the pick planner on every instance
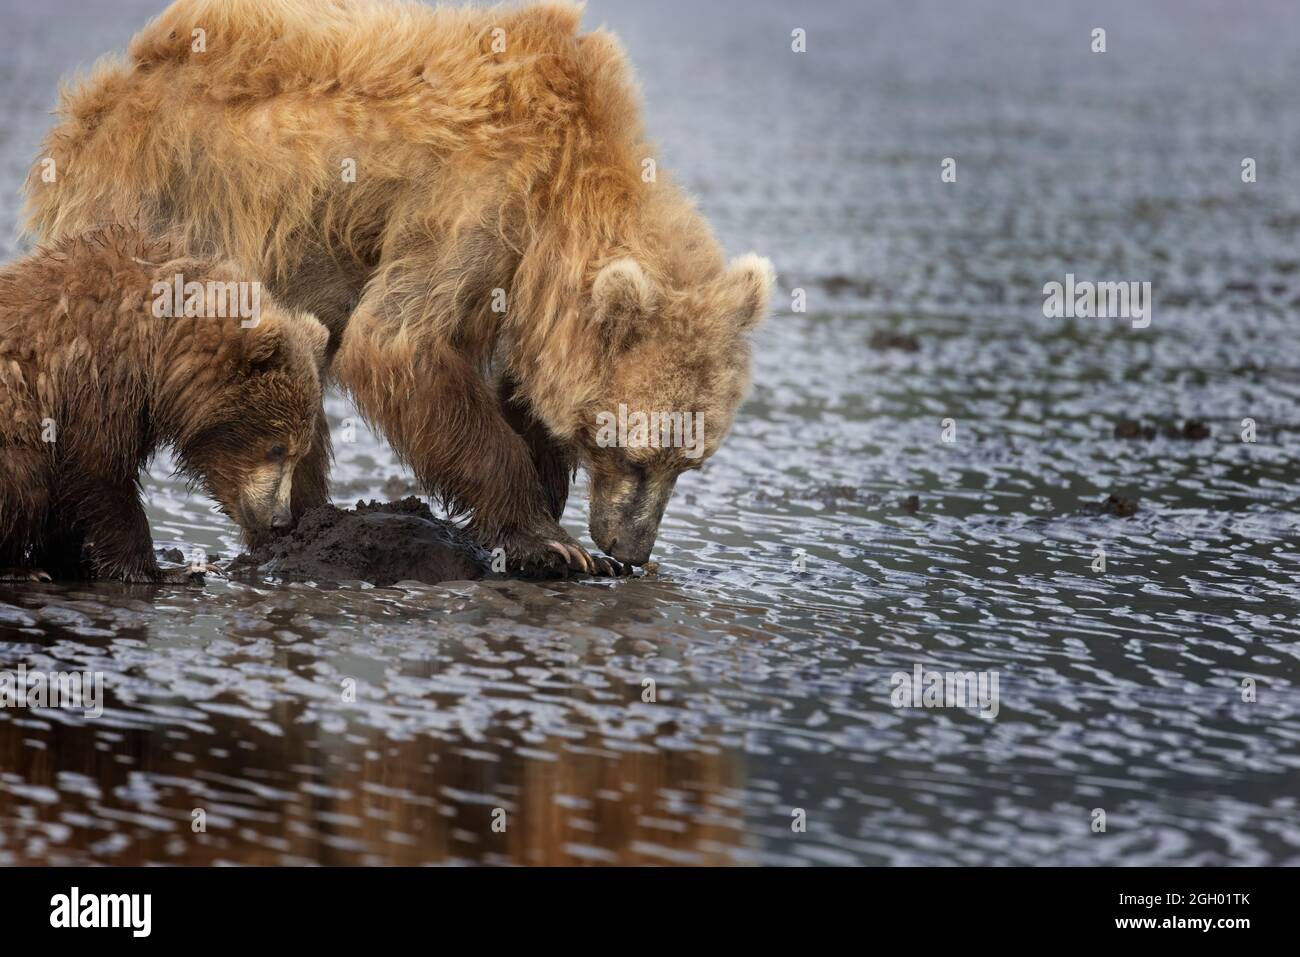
(264, 343)
(623, 295)
(750, 278)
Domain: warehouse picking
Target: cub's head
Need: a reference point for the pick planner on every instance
(258, 400)
(677, 369)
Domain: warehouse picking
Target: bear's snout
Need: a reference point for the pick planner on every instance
(282, 517)
(632, 550)
(622, 540)
(265, 501)
(625, 514)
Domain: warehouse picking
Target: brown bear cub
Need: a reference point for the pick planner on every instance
(112, 347)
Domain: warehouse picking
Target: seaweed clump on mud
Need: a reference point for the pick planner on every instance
(380, 542)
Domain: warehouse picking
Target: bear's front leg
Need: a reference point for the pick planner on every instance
(550, 458)
(311, 476)
(445, 422)
(116, 529)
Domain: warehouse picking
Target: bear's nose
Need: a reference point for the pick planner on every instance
(636, 552)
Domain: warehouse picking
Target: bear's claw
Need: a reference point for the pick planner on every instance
(583, 561)
(24, 575)
(609, 567)
(575, 556)
(579, 559)
(552, 550)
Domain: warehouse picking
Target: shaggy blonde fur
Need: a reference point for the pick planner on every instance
(498, 158)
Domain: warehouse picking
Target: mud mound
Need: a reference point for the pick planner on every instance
(379, 542)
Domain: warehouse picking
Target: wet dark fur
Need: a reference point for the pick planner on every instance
(81, 352)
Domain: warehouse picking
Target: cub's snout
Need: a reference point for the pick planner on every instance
(264, 502)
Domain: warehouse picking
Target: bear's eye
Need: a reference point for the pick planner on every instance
(279, 452)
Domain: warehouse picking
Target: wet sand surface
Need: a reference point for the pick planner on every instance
(836, 538)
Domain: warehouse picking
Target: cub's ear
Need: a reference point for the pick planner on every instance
(750, 278)
(622, 295)
(265, 341)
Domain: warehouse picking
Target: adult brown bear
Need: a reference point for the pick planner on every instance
(464, 197)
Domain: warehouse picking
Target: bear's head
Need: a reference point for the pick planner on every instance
(677, 369)
(255, 404)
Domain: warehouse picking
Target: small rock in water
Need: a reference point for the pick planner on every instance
(1195, 429)
(1192, 430)
(883, 339)
(173, 555)
(911, 504)
(1116, 505)
(1132, 429)
(839, 284)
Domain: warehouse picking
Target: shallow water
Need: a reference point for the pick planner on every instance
(521, 704)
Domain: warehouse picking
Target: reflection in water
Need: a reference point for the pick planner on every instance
(1120, 690)
(282, 781)
(129, 797)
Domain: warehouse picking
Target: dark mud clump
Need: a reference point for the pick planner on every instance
(840, 285)
(832, 495)
(1192, 430)
(381, 543)
(1130, 429)
(884, 339)
(1116, 505)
